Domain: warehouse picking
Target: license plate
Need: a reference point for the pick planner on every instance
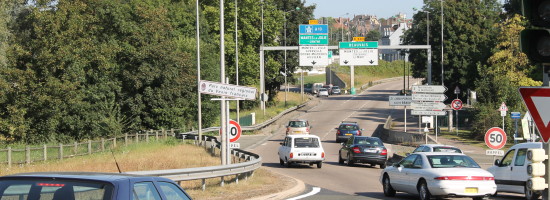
(297, 131)
(349, 134)
(470, 190)
(370, 150)
(306, 154)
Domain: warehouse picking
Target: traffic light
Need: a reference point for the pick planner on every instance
(535, 41)
(536, 169)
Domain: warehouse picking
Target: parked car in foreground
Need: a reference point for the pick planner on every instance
(301, 149)
(323, 92)
(511, 171)
(363, 149)
(438, 175)
(437, 148)
(298, 126)
(88, 185)
(346, 129)
(336, 90)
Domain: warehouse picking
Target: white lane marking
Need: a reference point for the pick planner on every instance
(314, 191)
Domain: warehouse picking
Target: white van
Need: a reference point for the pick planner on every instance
(511, 172)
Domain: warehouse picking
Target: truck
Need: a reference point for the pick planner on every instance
(315, 87)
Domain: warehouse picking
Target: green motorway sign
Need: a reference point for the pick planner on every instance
(313, 39)
(358, 45)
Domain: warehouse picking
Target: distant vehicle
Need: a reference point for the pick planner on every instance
(363, 149)
(336, 90)
(323, 92)
(329, 88)
(301, 149)
(88, 185)
(437, 148)
(298, 126)
(315, 87)
(511, 172)
(438, 175)
(346, 129)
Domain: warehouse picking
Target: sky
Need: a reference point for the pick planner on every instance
(380, 8)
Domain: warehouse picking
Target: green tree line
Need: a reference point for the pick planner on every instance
(82, 69)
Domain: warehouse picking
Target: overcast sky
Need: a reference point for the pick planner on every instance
(380, 8)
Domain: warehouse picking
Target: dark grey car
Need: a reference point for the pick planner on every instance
(363, 149)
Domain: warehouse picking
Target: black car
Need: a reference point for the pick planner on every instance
(88, 185)
(346, 129)
(363, 149)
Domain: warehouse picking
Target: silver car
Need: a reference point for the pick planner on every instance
(322, 92)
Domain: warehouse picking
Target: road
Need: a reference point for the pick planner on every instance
(369, 109)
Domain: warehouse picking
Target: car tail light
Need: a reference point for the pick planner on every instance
(291, 155)
(323, 155)
(338, 132)
(359, 133)
(465, 178)
(384, 152)
(356, 150)
(307, 130)
(50, 184)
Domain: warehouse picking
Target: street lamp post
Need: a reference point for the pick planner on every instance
(442, 74)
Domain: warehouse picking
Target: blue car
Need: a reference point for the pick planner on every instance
(347, 129)
(88, 185)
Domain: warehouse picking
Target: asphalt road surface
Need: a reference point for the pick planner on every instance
(334, 181)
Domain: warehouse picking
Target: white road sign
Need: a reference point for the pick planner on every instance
(313, 55)
(428, 97)
(429, 88)
(227, 90)
(428, 105)
(494, 152)
(427, 112)
(350, 57)
(400, 100)
(233, 145)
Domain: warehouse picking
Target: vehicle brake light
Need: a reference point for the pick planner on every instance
(384, 152)
(307, 130)
(465, 178)
(338, 132)
(291, 155)
(50, 184)
(356, 150)
(323, 155)
(359, 133)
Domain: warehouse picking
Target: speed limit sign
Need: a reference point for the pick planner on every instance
(495, 138)
(234, 131)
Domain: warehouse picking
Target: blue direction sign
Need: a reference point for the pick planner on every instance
(313, 28)
(515, 115)
(358, 45)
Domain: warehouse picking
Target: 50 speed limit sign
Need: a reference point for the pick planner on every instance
(234, 131)
(495, 138)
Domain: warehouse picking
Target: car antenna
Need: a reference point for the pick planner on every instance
(118, 167)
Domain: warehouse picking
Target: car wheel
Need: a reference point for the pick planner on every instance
(282, 162)
(382, 166)
(530, 195)
(388, 189)
(310, 164)
(423, 192)
(479, 198)
(350, 161)
(340, 159)
(319, 165)
(287, 163)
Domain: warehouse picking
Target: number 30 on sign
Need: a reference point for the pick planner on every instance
(495, 138)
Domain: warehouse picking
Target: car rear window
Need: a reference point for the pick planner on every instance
(447, 149)
(306, 142)
(368, 141)
(297, 124)
(54, 189)
(346, 127)
(451, 161)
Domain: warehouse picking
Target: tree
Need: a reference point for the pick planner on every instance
(373, 35)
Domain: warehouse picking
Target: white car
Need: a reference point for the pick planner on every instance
(438, 175)
(301, 149)
(437, 148)
(322, 92)
(511, 171)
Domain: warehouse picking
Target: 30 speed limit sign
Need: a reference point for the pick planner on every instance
(495, 138)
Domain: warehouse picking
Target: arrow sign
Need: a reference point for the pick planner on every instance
(428, 105)
(313, 55)
(537, 100)
(346, 62)
(428, 97)
(429, 88)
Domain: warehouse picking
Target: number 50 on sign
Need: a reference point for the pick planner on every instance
(495, 138)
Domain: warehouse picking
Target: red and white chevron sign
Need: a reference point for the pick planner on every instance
(537, 100)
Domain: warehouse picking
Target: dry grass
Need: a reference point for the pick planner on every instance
(166, 155)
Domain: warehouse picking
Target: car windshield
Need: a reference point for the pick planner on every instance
(297, 124)
(323, 89)
(348, 127)
(368, 141)
(335, 88)
(447, 149)
(450, 161)
(54, 189)
(306, 142)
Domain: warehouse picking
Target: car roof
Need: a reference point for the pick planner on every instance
(303, 120)
(365, 137)
(528, 144)
(93, 176)
(348, 122)
(437, 145)
(438, 153)
(301, 136)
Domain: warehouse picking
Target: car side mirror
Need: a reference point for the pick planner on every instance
(281, 143)
(336, 128)
(395, 165)
(497, 162)
(343, 144)
(362, 129)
